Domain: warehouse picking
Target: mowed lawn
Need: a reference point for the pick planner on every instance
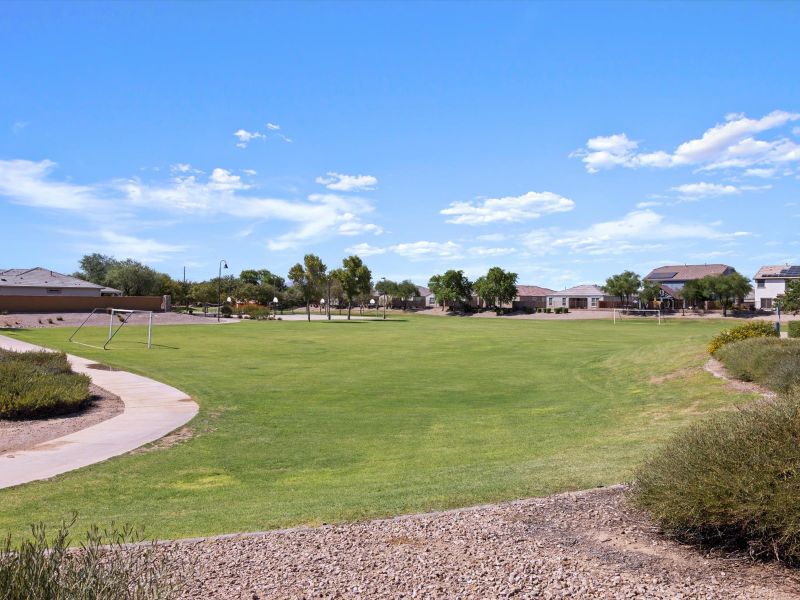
(309, 423)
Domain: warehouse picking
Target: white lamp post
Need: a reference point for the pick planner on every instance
(321, 305)
(371, 304)
(275, 303)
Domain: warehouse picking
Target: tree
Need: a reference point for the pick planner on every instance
(355, 279)
(726, 289)
(497, 287)
(624, 285)
(790, 300)
(650, 292)
(388, 289)
(95, 267)
(450, 288)
(309, 279)
(133, 278)
(694, 291)
(406, 289)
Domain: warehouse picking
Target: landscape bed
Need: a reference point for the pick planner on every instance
(310, 423)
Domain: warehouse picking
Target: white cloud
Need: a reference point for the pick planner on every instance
(347, 183)
(273, 127)
(628, 234)
(18, 127)
(531, 205)
(250, 172)
(696, 191)
(484, 251)
(765, 173)
(245, 137)
(187, 195)
(143, 249)
(648, 204)
(726, 145)
(421, 250)
(493, 237)
(365, 249)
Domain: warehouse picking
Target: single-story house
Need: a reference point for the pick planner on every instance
(531, 296)
(425, 298)
(578, 297)
(771, 282)
(44, 282)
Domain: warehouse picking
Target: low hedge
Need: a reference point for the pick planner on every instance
(772, 362)
(794, 329)
(39, 384)
(741, 332)
(731, 481)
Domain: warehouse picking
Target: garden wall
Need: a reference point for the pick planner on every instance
(48, 304)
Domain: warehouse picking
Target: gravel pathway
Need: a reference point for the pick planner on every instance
(578, 545)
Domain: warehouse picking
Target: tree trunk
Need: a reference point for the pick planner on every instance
(349, 308)
(308, 311)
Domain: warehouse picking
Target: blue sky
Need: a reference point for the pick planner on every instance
(565, 142)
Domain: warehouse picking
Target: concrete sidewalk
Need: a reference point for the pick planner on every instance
(152, 410)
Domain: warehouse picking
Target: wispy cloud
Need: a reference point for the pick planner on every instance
(272, 130)
(731, 144)
(528, 206)
(347, 183)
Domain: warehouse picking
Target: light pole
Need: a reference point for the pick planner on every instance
(222, 263)
(371, 304)
(385, 297)
(321, 305)
(275, 303)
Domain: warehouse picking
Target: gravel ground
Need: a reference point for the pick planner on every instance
(576, 545)
(39, 320)
(26, 433)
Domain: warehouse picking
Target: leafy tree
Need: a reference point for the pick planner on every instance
(624, 285)
(95, 267)
(694, 291)
(497, 287)
(790, 301)
(388, 289)
(726, 289)
(309, 279)
(451, 288)
(650, 292)
(133, 278)
(250, 276)
(407, 289)
(355, 279)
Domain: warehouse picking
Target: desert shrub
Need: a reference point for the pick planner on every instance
(794, 329)
(225, 310)
(565, 310)
(257, 312)
(772, 362)
(102, 567)
(39, 384)
(732, 481)
(741, 332)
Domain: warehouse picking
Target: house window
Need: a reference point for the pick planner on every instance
(594, 302)
(53, 291)
(549, 301)
(760, 283)
(766, 303)
(563, 302)
(431, 300)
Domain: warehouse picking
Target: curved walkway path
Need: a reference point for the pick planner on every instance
(152, 410)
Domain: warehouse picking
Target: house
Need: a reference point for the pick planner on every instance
(425, 299)
(531, 296)
(44, 282)
(580, 296)
(771, 282)
(673, 277)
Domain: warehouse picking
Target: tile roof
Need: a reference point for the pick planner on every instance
(778, 271)
(39, 277)
(672, 292)
(423, 291)
(533, 290)
(686, 272)
(580, 290)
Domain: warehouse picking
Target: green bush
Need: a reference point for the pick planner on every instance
(39, 384)
(731, 481)
(772, 362)
(101, 568)
(225, 310)
(741, 332)
(794, 329)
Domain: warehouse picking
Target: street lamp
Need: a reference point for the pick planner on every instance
(222, 263)
(371, 304)
(321, 305)
(275, 303)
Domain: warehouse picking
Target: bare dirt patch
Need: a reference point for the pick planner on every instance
(717, 369)
(679, 374)
(26, 433)
(578, 545)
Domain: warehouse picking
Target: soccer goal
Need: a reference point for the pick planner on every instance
(637, 314)
(122, 316)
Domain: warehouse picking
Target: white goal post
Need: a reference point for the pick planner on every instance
(123, 315)
(622, 314)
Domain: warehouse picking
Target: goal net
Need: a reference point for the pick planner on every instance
(637, 314)
(117, 319)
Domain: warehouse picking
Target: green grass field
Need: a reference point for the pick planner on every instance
(308, 423)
